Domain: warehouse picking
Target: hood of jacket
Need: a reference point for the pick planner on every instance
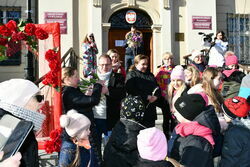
(243, 122)
(125, 135)
(209, 119)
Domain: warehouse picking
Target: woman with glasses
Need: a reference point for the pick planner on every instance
(89, 50)
(22, 99)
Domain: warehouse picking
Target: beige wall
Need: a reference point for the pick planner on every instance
(8, 72)
(83, 17)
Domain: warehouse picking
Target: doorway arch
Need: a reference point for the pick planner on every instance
(119, 27)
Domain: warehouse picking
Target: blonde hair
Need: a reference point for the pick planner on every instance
(67, 72)
(167, 55)
(207, 84)
(77, 161)
(228, 53)
(170, 95)
(137, 59)
(110, 51)
(195, 79)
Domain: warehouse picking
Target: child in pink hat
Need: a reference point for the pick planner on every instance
(152, 147)
(231, 62)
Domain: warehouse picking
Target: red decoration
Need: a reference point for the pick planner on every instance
(17, 33)
(4, 31)
(11, 25)
(3, 41)
(30, 29)
(41, 34)
(51, 78)
(54, 144)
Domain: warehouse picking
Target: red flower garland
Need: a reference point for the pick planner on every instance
(17, 33)
(51, 78)
(55, 142)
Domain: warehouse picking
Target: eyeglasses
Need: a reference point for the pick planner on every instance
(39, 98)
(102, 65)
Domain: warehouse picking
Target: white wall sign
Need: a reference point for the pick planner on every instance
(119, 43)
(130, 16)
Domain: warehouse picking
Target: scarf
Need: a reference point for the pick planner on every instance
(105, 77)
(35, 117)
(194, 128)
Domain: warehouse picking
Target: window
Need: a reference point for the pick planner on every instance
(7, 14)
(238, 26)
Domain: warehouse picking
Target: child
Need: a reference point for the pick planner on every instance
(77, 127)
(231, 62)
(163, 74)
(236, 147)
(197, 61)
(192, 76)
(152, 147)
(192, 142)
(121, 149)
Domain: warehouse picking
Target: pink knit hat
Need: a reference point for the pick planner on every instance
(152, 144)
(178, 73)
(231, 59)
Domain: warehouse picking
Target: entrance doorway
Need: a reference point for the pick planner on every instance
(119, 28)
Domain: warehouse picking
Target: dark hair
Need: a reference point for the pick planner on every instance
(133, 26)
(223, 35)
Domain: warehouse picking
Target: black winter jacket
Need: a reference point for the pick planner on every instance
(236, 146)
(73, 98)
(195, 151)
(143, 84)
(117, 92)
(121, 149)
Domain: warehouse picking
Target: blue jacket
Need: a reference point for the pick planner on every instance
(236, 146)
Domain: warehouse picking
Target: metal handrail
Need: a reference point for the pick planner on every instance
(70, 58)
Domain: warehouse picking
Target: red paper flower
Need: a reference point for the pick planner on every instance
(41, 34)
(54, 65)
(5, 31)
(3, 41)
(54, 134)
(30, 29)
(18, 36)
(49, 146)
(51, 55)
(55, 142)
(11, 25)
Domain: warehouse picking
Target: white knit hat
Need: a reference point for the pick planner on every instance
(74, 122)
(17, 91)
(195, 53)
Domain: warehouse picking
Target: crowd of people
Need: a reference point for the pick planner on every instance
(205, 111)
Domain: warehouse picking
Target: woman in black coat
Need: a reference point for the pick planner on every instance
(141, 82)
(73, 98)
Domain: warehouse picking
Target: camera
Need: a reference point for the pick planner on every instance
(207, 38)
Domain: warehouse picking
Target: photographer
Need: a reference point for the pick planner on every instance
(218, 48)
(89, 50)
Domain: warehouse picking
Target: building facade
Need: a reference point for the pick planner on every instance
(167, 25)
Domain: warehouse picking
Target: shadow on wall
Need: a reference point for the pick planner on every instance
(176, 22)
